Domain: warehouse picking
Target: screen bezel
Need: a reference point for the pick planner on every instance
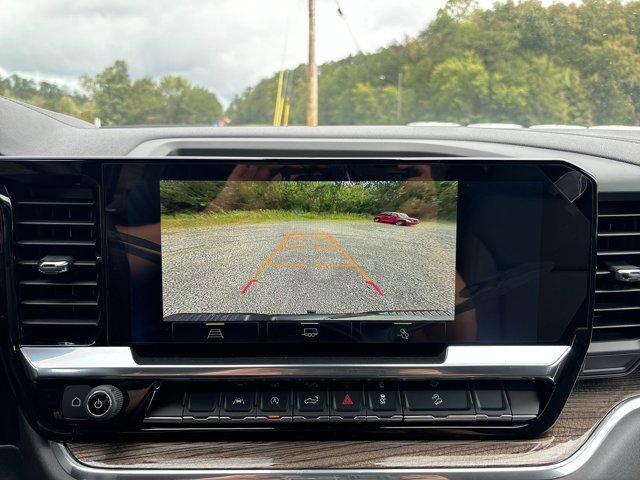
(462, 170)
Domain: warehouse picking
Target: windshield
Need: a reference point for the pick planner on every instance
(325, 62)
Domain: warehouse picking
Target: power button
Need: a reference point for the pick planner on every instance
(103, 402)
(98, 404)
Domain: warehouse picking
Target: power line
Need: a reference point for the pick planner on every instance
(346, 22)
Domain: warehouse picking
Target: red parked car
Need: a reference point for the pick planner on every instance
(401, 219)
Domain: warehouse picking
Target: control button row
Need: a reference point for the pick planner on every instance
(412, 402)
(80, 402)
(309, 332)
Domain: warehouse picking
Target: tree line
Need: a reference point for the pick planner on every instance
(517, 62)
(425, 200)
(114, 98)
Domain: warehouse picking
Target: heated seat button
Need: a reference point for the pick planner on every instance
(73, 400)
(238, 401)
(436, 397)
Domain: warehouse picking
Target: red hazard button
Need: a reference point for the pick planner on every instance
(347, 400)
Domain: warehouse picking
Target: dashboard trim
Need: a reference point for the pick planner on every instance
(511, 361)
(620, 413)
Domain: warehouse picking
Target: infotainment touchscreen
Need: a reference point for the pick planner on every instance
(308, 247)
(366, 256)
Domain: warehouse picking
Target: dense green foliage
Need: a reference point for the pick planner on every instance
(236, 217)
(425, 200)
(115, 99)
(518, 62)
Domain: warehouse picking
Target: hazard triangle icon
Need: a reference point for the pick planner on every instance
(346, 401)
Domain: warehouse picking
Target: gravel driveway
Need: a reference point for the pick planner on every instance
(295, 267)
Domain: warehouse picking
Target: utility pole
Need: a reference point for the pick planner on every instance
(312, 82)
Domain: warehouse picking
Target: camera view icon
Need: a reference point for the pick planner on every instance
(310, 332)
(215, 334)
(403, 334)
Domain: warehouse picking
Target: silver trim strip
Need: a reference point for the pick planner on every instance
(76, 363)
(546, 472)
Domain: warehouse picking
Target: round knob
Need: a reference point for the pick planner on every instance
(104, 402)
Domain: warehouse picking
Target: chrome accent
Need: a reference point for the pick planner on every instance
(54, 265)
(477, 361)
(282, 419)
(162, 420)
(375, 418)
(248, 418)
(566, 467)
(449, 418)
(188, 419)
(340, 418)
(627, 273)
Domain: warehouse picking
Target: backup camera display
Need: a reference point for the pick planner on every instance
(278, 247)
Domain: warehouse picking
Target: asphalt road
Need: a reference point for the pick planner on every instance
(206, 269)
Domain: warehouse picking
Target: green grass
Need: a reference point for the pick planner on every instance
(248, 217)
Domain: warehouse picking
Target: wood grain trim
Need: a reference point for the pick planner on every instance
(587, 405)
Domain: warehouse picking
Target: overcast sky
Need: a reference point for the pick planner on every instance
(225, 45)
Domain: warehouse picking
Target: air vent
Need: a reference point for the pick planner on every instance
(615, 345)
(58, 306)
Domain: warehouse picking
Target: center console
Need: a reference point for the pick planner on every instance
(287, 296)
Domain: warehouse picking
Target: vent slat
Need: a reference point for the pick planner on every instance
(49, 221)
(60, 321)
(67, 243)
(54, 203)
(617, 215)
(615, 308)
(45, 282)
(60, 301)
(71, 223)
(77, 263)
(617, 253)
(618, 290)
(605, 325)
(618, 234)
(617, 303)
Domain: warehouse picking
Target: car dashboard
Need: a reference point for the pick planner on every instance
(520, 363)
